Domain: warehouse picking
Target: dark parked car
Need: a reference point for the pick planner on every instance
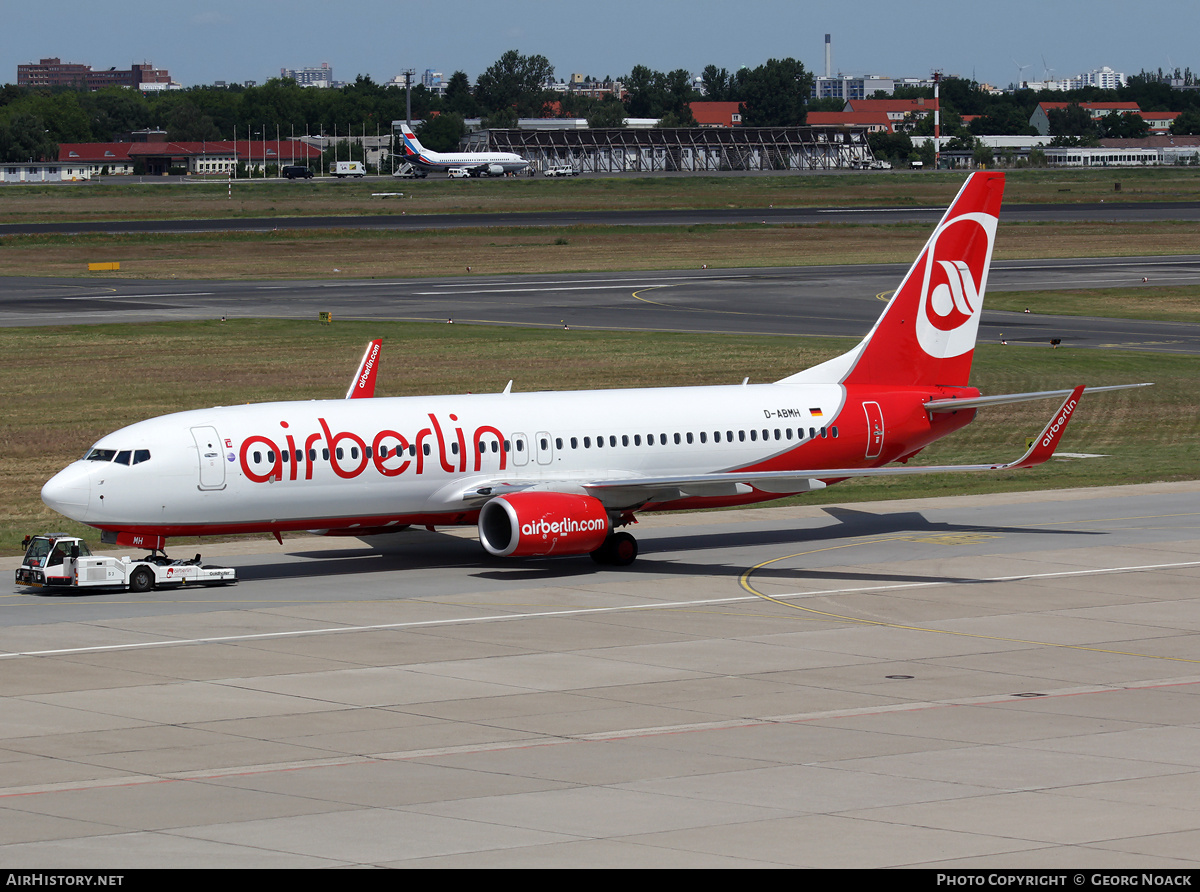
(291, 171)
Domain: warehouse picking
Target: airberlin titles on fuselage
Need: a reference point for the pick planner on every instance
(391, 452)
(271, 459)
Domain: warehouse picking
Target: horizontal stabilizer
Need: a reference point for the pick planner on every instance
(981, 402)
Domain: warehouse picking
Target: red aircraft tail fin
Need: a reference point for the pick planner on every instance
(927, 333)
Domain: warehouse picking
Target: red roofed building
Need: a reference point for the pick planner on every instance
(96, 156)
(201, 158)
(1160, 122)
(716, 114)
(1040, 119)
(903, 113)
(874, 122)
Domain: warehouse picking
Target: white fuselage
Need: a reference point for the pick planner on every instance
(489, 163)
(504, 160)
(225, 468)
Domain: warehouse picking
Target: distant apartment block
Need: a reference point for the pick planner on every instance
(1101, 78)
(319, 76)
(432, 81)
(56, 73)
(847, 86)
(582, 85)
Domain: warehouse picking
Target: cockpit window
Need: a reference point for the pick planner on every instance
(121, 457)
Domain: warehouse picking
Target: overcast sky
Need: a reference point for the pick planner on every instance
(235, 40)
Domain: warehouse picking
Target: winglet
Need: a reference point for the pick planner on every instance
(363, 385)
(1043, 447)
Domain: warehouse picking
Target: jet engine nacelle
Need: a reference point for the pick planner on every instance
(495, 170)
(532, 524)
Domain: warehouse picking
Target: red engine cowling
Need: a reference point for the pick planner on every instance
(531, 524)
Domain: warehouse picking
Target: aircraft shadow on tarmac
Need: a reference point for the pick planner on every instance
(419, 550)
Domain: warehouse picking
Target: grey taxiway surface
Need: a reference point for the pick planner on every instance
(1115, 211)
(1006, 681)
(818, 300)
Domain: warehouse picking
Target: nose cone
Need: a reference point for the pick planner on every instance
(69, 491)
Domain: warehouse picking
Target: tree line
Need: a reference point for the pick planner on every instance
(34, 121)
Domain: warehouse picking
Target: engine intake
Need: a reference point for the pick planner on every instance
(533, 524)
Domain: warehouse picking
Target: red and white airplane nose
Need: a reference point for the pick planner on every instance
(69, 491)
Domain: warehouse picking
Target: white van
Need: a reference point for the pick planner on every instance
(348, 169)
(458, 173)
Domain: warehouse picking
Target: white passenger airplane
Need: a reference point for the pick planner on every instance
(477, 164)
(557, 473)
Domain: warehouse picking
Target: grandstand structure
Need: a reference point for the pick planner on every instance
(684, 149)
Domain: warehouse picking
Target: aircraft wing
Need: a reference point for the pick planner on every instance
(634, 490)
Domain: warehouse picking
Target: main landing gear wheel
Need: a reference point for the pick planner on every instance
(618, 550)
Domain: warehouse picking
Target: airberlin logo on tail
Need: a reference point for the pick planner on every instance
(953, 279)
(954, 301)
